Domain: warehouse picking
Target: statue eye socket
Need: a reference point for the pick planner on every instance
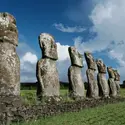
(4, 14)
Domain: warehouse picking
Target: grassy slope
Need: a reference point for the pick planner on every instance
(112, 114)
(32, 93)
(29, 96)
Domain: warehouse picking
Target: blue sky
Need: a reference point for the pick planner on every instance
(39, 16)
(87, 24)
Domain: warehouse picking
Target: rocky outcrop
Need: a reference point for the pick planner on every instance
(117, 80)
(101, 77)
(92, 90)
(76, 84)
(9, 60)
(48, 80)
(111, 82)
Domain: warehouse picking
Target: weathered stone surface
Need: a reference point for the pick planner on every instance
(101, 66)
(111, 72)
(103, 85)
(118, 86)
(8, 29)
(112, 86)
(93, 90)
(76, 57)
(76, 84)
(48, 77)
(9, 60)
(111, 82)
(117, 80)
(47, 74)
(48, 46)
(117, 75)
(101, 78)
(90, 61)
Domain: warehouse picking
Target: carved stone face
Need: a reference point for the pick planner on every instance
(8, 29)
(48, 46)
(90, 60)
(110, 72)
(117, 75)
(101, 66)
(75, 56)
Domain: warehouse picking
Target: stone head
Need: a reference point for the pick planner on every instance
(75, 56)
(8, 29)
(48, 46)
(110, 72)
(90, 60)
(101, 66)
(117, 75)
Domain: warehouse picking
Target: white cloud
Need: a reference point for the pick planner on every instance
(64, 63)
(62, 51)
(68, 29)
(28, 61)
(108, 22)
(62, 67)
(29, 57)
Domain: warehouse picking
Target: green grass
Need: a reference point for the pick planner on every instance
(33, 92)
(29, 96)
(111, 114)
(122, 92)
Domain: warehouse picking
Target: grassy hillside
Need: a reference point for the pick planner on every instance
(111, 114)
(29, 96)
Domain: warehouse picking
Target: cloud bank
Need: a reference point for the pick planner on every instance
(108, 22)
(28, 61)
(75, 29)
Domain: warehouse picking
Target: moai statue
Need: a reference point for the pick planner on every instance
(111, 82)
(92, 90)
(101, 77)
(117, 81)
(46, 71)
(76, 84)
(9, 60)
